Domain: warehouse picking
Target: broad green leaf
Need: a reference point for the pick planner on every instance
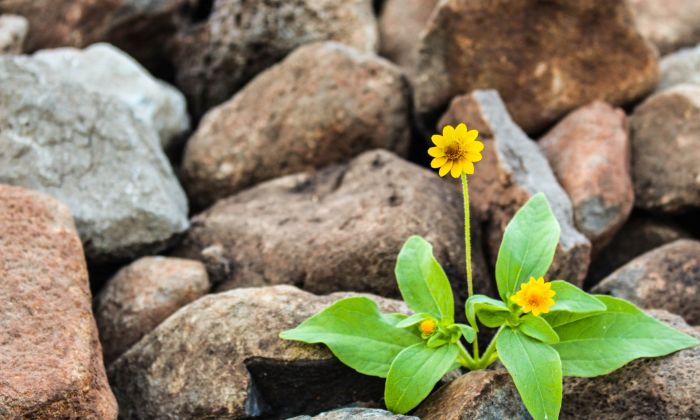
(414, 373)
(570, 298)
(528, 246)
(605, 341)
(394, 318)
(413, 320)
(357, 334)
(559, 318)
(437, 340)
(538, 328)
(536, 371)
(491, 312)
(467, 332)
(422, 281)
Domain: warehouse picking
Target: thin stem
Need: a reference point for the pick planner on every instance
(467, 235)
(465, 359)
(488, 358)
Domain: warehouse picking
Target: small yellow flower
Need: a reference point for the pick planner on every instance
(535, 296)
(427, 327)
(456, 151)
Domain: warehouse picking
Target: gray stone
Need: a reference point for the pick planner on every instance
(90, 152)
(13, 31)
(356, 413)
(680, 67)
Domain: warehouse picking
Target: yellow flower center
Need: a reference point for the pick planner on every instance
(427, 327)
(453, 152)
(535, 296)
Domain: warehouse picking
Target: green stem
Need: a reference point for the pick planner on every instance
(488, 358)
(465, 359)
(468, 251)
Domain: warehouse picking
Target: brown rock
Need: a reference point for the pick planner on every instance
(512, 171)
(339, 229)
(669, 25)
(589, 152)
(13, 31)
(665, 278)
(666, 150)
(50, 356)
(296, 116)
(478, 395)
(545, 58)
(238, 39)
(220, 357)
(400, 26)
(658, 388)
(143, 294)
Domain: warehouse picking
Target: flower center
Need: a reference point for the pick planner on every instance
(427, 327)
(534, 300)
(453, 152)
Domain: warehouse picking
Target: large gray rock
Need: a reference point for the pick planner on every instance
(356, 413)
(221, 357)
(90, 152)
(680, 67)
(13, 31)
(668, 25)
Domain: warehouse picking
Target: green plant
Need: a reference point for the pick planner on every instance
(545, 330)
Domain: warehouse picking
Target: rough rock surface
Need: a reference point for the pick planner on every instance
(50, 356)
(221, 357)
(296, 116)
(680, 67)
(339, 229)
(589, 152)
(106, 70)
(666, 150)
(660, 388)
(665, 278)
(512, 171)
(480, 395)
(532, 53)
(216, 57)
(669, 25)
(143, 294)
(356, 413)
(90, 152)
(400, 26)
(13, 31)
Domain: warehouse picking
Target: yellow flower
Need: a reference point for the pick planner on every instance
(456, 150)
(427, 327)
(535, 296)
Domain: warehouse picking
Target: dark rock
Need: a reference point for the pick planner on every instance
(667, 25)
(400, 26)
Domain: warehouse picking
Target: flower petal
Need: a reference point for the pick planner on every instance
(448, 132)
(445, 168)
(438, 162)
(474, 157)
(470, 136)
(436, 152)
(438, 140)
(475, 146)
(461, 132)
(456, 170)
(468, 167)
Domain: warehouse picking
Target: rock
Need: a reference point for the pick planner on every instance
(339, 229)
(50, 356)
(90, 152)
(531, 52)
(221, 357)
(216, 55)
(659, 388)
(356, 413)
(680, 67)
(143, 294)
(666, 173)
(478, 395)
(512, 171)
(589, 152)
(13, 31)
(296, 116)
(665, 278)
(106, 70)
(400, 26)
(668, 25)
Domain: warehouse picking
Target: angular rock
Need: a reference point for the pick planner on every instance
(90, 152)
(589, 152)
(666, 150)
(665, 278)
(658, 388)
(483, 394)
(142, 295)
(106, 70)
(356, 413)
(667, 25)
(238, 39)
(531, 52)
(221, 356)
(13, 31)
(50, 356)
(513, 170)
(680, 67)
(296, 116)
(339, 229)
(400, 25)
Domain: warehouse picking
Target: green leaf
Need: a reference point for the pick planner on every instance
(528, 246)
(491, 312)
(603, 342)
(414, 373)
(570, 298)
(394, 318)
(538, 328)
(413, 320)
(357, 334)
(536, 371)
(422, 281)
(467, 332)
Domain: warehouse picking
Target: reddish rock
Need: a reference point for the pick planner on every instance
(669, 25)
(13, 31)
(666, 150)
(400, 26)
(513, 170)
(299, 115)
(589, 152)
(665, 278)
(50, 356)
(143, 294)
(545, 58)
